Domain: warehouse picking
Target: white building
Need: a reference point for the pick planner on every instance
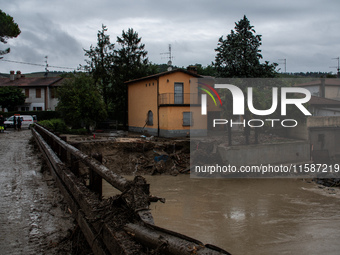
(40, 91)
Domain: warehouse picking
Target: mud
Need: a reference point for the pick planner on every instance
(138, 156)
(33, 216)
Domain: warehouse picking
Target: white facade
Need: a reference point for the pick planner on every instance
(39, 91)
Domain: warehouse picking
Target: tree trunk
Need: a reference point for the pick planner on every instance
(256, 135)
(229, 135)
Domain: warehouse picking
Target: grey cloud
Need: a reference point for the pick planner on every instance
(305, 32)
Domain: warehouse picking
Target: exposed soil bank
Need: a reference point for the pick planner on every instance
(135, 156)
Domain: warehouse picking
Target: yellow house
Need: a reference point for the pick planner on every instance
(160, 105)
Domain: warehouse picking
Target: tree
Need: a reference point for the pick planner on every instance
(80, 102)
(131, 62)
(8, 29)
(101, 63)
(238, 56)
(205, 70)
(10, 97)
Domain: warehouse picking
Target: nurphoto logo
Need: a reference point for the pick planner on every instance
(244, 128)
(238, 104)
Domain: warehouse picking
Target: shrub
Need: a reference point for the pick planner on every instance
(55, 125)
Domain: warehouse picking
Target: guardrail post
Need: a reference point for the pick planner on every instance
(63, 152)
(95, 179)
(74, 165)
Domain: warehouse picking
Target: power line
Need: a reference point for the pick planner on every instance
(32, 64)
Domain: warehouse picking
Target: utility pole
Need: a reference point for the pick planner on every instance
(284, 62)
(46, 67)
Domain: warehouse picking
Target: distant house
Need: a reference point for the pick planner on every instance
(328, 88)
(160, 104)
(322, 128)
(39, 91)
(320, 106)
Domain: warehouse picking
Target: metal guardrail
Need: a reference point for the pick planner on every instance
(97, 217)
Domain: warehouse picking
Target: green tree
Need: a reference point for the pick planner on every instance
(238, 56)
(131, 62)
(80, 102)
(208, 70)
(10, 97)
(100, 63)
(8, 29)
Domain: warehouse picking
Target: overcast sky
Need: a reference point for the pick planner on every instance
(304, 32)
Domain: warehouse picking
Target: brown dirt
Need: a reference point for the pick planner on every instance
(33, 217)
(135, 156)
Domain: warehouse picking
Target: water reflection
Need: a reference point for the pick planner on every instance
(250, 216)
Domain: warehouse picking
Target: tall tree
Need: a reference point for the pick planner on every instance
(238, 56)
(10, 97)
(8, 29)
(100, 63)
(131, 63)
(80, 102)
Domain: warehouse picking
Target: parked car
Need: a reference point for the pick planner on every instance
(27, 121)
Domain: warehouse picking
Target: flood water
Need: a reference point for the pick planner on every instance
(250, 216)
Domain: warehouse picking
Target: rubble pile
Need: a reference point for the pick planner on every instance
(138, 156)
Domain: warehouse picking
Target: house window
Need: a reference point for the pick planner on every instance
(38, 93)
(187, 119)
(27, 93)
(178, 95)
(150, 118)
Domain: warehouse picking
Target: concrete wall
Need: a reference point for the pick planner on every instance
(324, 121)
(302, 130)
(293, 152)
(326, 140)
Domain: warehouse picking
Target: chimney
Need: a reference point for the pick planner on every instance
(192, 69)
(11, 76)
(18, 74)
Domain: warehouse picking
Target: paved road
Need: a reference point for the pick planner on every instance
(33, 219)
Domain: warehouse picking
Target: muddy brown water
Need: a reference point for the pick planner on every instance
(250, 216)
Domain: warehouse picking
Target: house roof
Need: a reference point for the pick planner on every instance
(328, 82)
(163, 74)
(32, 81)
(321, 101)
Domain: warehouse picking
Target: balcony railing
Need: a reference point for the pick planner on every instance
(179, 99)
